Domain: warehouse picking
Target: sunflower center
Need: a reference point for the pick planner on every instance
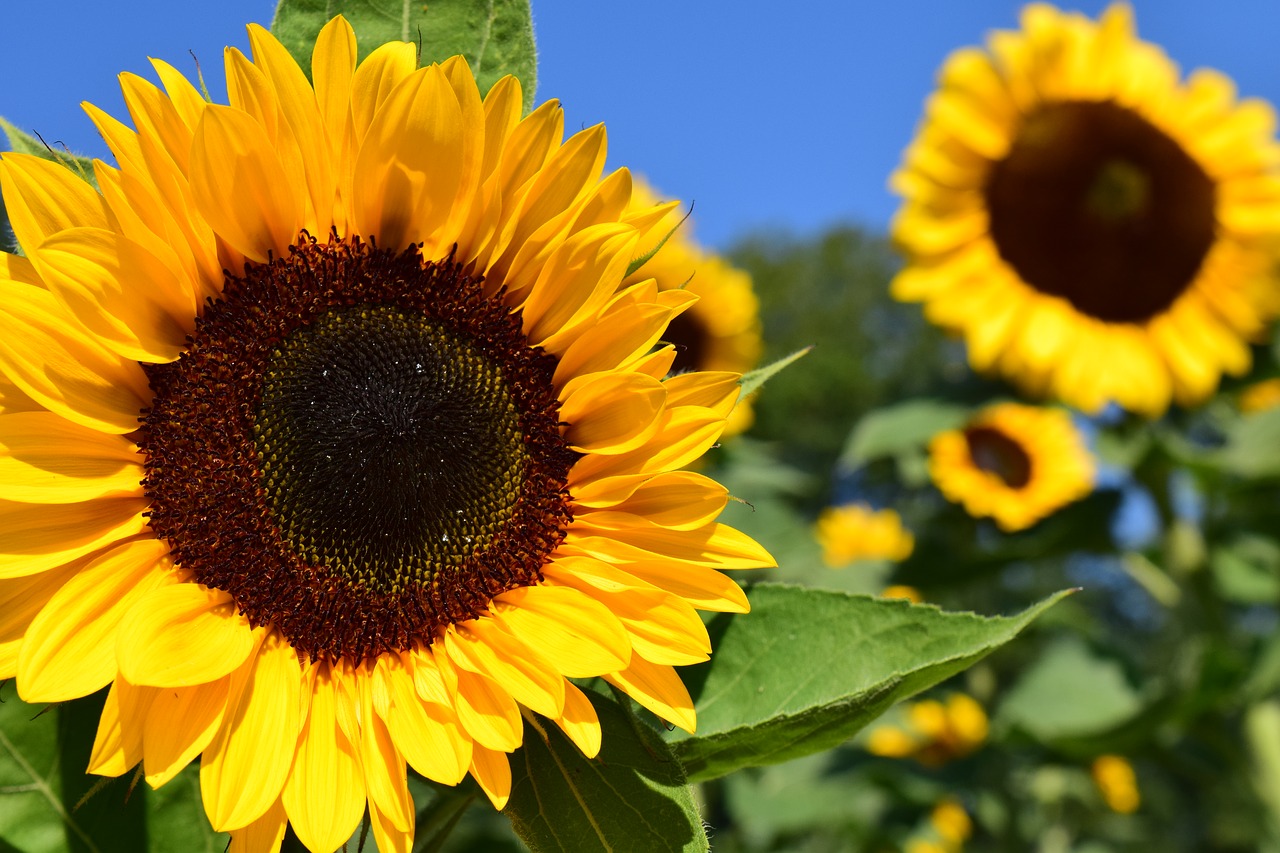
(993, 451)
(1096, 205)
(359, 446)
(390, 448)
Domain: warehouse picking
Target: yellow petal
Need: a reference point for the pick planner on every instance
(426, 733)
(43, 197)
(23, 598)
(384, 770)
(37, 537)
(240, 186)
(573, 631)
(388, 837)
(244, 769)
(716, 545)
(487, 712)
(704, 588)
(482, 646)
(325, 795)
(69, 651)
(413, 165)
(180, 723)
(47, 459)
(124, 295)
(579, 722)
(333, 66)
(63, 368)
(298, 104)
(182, 636)
(376, 78)
(187, 101)
(263, 835)
(681, 500)
(117, 746)
(613, 413)
(664, 628)
(580, 276)
(657, 688)
(492, 771)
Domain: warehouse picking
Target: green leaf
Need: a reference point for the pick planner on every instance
(807, 668)
(754, 380)
(1070, 693)
(495, 36)
(633, 796)
(896, 429)
(40, 783)
(176, 817)
(436, 820)
(112, 812)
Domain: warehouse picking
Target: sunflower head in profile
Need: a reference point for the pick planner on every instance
(721, 329)
(1096, 229)
(331, 443)
(858, 532)
(1012, 463)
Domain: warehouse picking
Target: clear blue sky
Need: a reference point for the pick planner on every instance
(773, 115)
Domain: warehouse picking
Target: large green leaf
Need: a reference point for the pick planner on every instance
(47, 802)
(633, 796)
(807, 668)
(495, 36)
(42, 786)
(896, 429)
(1070, 693)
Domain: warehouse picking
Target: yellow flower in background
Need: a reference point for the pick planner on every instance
(1096, 230)
(909, 593)
(720, 331)
(375, 494)
(858, 532)
(932, 732)
(948, 829)
(1117, 783)
(1260, 396)
(1014, 463)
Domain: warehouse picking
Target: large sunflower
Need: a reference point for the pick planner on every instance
(391, 480)
(721, 329)
(1097, 230)
(1014, 463)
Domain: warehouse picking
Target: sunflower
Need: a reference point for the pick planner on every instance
(1096, 230)
(1260, 396)
(721, 329)
(858, 532)
(1014, 463)
(1117, 783)
(380, 488)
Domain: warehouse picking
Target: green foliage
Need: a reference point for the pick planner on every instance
(47, 802)
(754, 381)
(634, 796)
(760, 700)
(831, 293)
(495, 36)
(1045, 701)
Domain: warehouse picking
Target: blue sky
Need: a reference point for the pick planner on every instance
(786, 117)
